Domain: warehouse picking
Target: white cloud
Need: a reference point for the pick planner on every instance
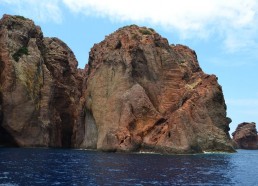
(235, 21)
(42, 10)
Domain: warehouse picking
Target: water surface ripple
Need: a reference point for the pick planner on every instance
(36, 166)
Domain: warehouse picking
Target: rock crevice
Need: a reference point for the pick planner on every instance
(146, 95)
(137, 93)
(39, 85)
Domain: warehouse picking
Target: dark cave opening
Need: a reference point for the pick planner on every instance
(6, 140)
(67, 130)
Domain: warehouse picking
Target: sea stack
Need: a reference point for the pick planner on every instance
(143, 94)
(245, 136)
(137, 93)
(40, 86)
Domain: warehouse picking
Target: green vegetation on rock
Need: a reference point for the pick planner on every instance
(135, 36)
(20, 17)
(152, 29)
(17, 55)
(145, 32)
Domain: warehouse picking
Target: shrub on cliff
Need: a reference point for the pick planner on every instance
(145, 32)
(17, 55)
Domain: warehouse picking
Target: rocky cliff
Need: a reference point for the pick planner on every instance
(137, 93)
(39, 89)
(245, 136)
(142, 94)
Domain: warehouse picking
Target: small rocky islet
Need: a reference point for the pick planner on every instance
(137, 93)
(245, 136)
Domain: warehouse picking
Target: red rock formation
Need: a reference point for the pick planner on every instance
(137, 93)
(141, 94)
(40, 84)
(245, 136)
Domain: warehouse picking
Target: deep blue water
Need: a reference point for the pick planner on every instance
(35, 166)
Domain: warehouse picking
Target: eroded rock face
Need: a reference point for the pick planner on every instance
(40, 84)
(245, 136)
(137, 93)
(142, 94)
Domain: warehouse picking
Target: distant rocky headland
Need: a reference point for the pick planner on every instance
(137, 93)
(245, 136)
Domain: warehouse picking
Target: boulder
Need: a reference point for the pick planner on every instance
(245, 136)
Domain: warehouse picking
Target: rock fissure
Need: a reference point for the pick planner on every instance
(137, 92)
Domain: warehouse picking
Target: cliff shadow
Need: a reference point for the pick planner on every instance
(67, 130)
(6, 139)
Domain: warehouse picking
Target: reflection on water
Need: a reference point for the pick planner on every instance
(77, 167)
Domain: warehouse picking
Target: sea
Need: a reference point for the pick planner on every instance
(42, 166)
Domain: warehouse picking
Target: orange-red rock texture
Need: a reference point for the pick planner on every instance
(245, 136)
(40, 86)
(142, 94)
(137, 93)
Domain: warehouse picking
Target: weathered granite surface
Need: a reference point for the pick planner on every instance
(137, 93)
(142, 94)
(245, 136)
(40, 86)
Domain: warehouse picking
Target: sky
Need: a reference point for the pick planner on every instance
(224, 34)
